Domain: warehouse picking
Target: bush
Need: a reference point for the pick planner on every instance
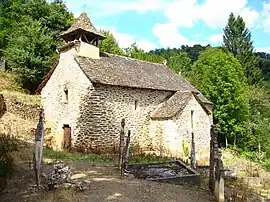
(8, 144)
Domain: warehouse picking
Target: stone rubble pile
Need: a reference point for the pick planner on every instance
(61, 176)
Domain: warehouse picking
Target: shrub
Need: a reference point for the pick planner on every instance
(8, 144)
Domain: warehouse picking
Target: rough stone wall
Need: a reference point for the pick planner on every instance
(20, 108)
(58, 112)
(101, 114)
(94, 113)
(178, 129)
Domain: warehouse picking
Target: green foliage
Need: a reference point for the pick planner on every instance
(62, 155)
(180, 63)
(30, 53)
(192, 51)
(110, 45)
(8, 144)
(237, 39)
(135, 52)
(185, 146)
(148, 159)
(29, 37)
(220, 77)
(258, 134)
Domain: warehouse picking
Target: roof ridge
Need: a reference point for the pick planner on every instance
(136, 59)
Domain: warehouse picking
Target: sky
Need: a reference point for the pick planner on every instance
(172, 23)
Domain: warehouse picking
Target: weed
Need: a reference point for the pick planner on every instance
(67, 156)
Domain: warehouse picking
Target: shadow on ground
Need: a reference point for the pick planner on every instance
(106, 185)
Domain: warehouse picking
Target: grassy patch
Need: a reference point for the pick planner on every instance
(23, 97)
(67, 156)
(149, 159)
(10, 87)
(8, 82)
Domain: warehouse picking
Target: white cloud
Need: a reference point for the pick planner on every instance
(181, 13)
(125, 40)
(105, 8)
(146, 45)
(216, 38)
(249, 15)
(169, 36)
(214, 13)
(266, 17)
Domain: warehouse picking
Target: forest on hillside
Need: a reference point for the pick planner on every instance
(233, 76)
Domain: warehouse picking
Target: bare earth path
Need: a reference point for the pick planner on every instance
(105, 186)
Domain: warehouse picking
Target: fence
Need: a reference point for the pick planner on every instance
(216, 171)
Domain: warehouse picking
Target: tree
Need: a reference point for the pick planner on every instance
(180, 63)
(110, 45)
(220, 78)
(237, 40)
(29, 37)
(135, 52)
(30, 53)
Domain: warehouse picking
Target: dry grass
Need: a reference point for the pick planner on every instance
(18, 127)
(8, 82)
(23, 97)
(9, 86)
(246, 169)
(61, 195)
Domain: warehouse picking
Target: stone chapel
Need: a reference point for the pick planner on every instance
(89, 92)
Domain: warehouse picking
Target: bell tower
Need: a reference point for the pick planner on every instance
(83, 30)
(85, 35)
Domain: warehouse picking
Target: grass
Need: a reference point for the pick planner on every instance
(67, 156)
(148, 159)
(246, 168)
(10, 87)
(23, 97)
(8, 82)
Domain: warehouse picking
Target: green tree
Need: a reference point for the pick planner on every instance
(237, 39)
(135, 52)
(30, 53)
(33, 53)
(220, 77)
(110, 45)
(180, 63)
(258, 134)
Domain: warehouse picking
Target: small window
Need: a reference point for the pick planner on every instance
(66, 95)
(136, 104)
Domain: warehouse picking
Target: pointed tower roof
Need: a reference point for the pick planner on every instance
(82, 23)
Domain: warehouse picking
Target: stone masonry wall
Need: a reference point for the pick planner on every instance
(94, 113)
(178, 129)
(101, 114)
(57, 111)
(98, 127)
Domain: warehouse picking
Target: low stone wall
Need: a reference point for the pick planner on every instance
(19, 108)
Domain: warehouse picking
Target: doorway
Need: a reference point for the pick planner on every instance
(67, 137)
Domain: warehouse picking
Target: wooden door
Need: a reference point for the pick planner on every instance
(67, 138)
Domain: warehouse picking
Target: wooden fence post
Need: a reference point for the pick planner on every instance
(192, 153)
(38, 153)
(121, 142)
(127, 150)
(216, 171)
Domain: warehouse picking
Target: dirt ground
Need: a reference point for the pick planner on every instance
(106, 185)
